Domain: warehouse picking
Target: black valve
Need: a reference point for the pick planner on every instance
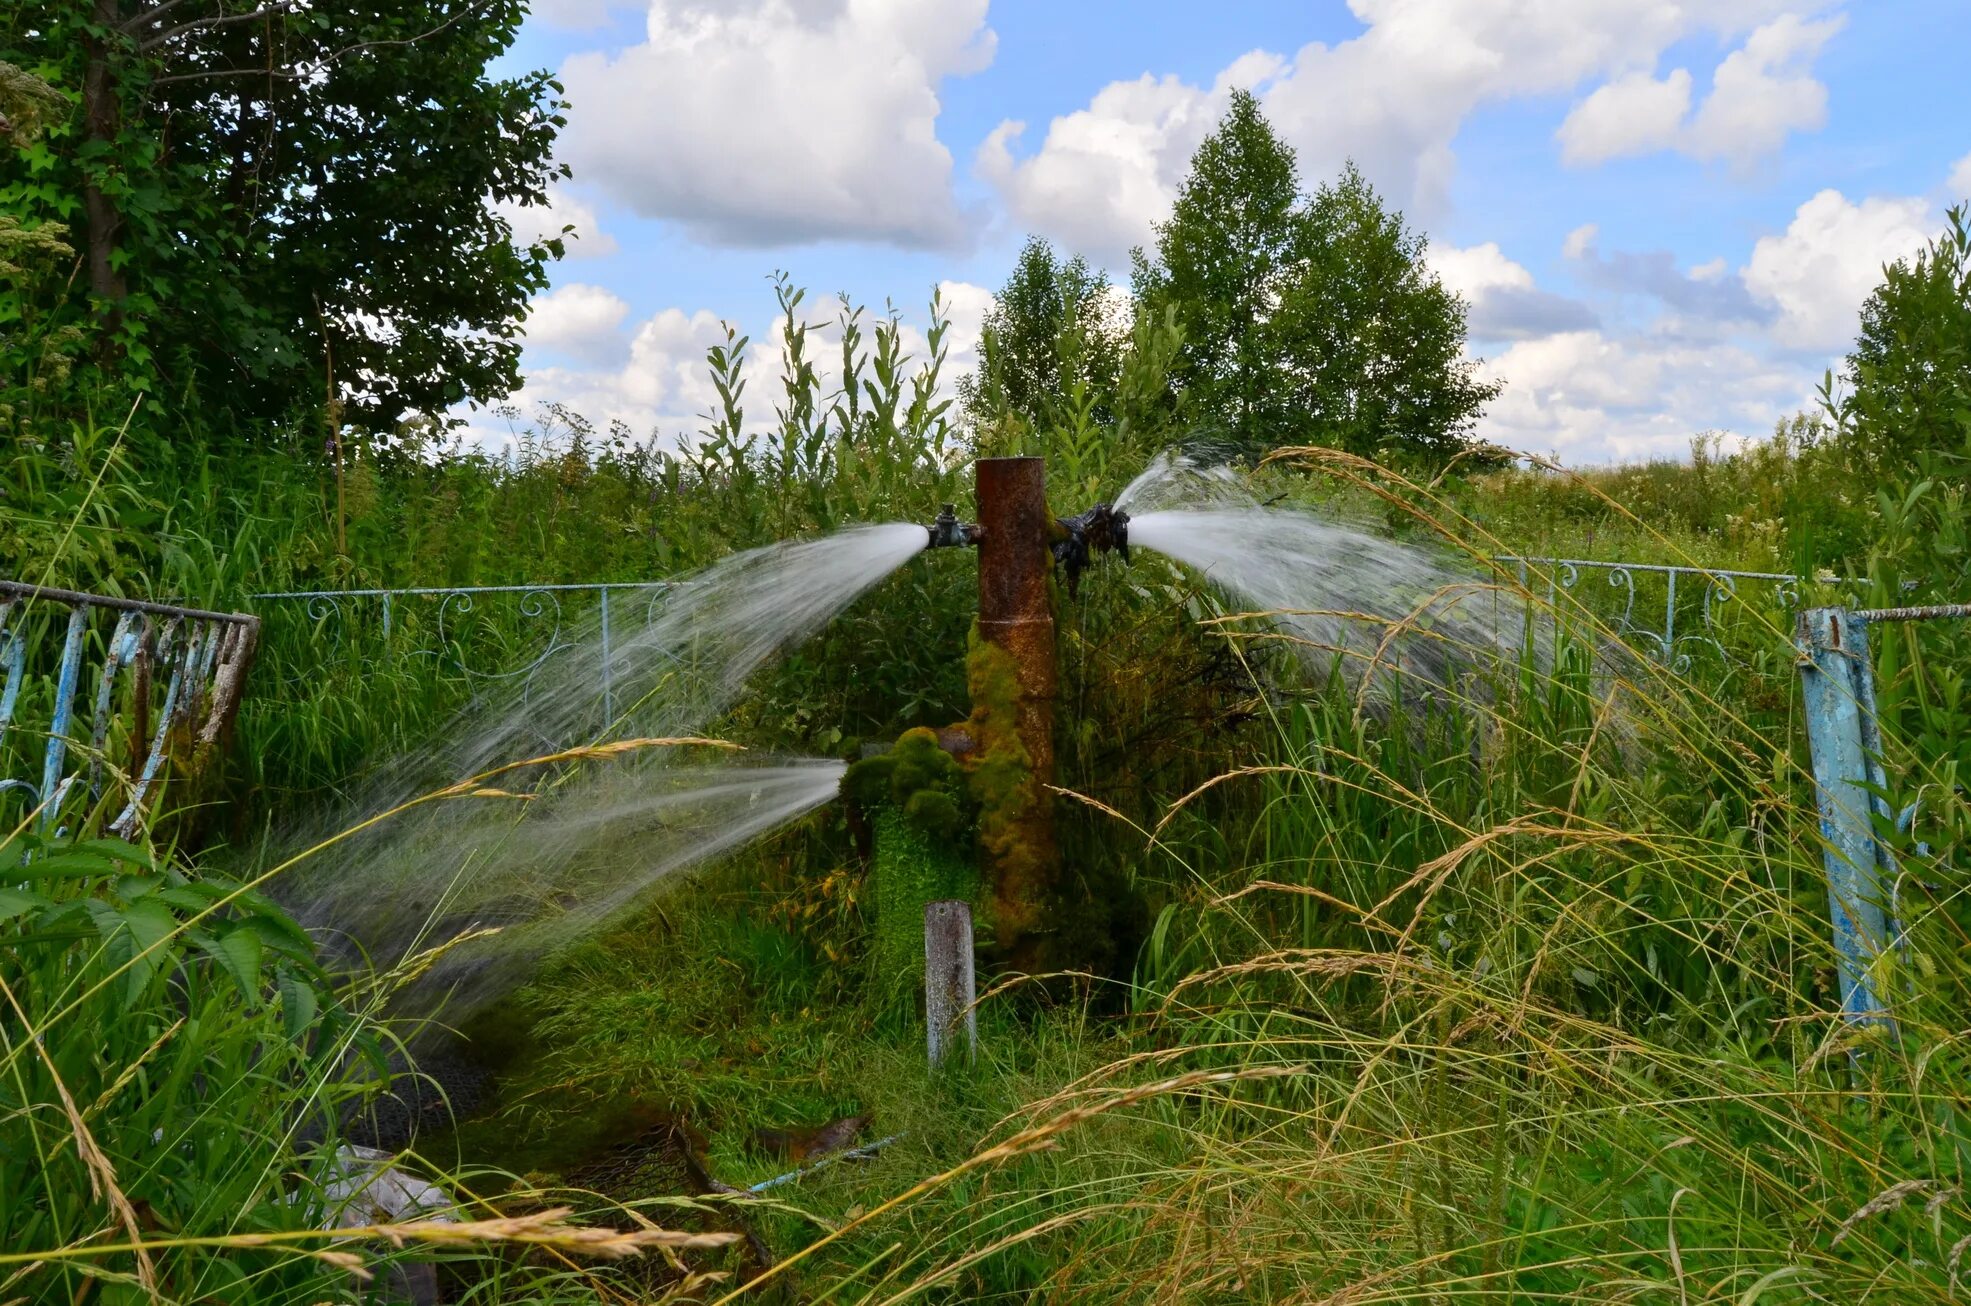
(947, 532)
(1079, 539)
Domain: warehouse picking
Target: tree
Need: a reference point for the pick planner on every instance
(1225, 259)
(1307, 322)
(275, 200)
(1050, 329)
(1374, 341)
(1909, 375)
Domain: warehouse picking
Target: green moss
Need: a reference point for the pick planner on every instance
(867, 783)
(918, 778)
(1002, 784)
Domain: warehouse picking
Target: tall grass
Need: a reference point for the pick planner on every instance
(1524, 995)
(175, 1072)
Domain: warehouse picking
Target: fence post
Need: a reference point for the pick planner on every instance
(608, 681)
(950, 984)
(1837, 685)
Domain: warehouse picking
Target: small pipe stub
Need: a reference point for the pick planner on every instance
(1078, 539)
(947, 532)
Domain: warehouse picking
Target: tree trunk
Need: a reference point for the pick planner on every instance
(101, 120)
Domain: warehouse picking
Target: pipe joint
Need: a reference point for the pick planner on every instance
(947, 532)
(1078, 539)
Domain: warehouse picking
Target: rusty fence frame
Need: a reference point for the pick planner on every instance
(178, 668)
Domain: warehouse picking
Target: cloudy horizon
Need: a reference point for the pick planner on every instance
(1664, 216)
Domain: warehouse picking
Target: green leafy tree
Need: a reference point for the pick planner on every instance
(1050, 333)
(1909, 374)
(273, 200)
(1307, 321)
(1373, 342)
(1225, 260)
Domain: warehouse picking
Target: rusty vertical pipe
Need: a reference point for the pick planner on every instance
(1016, 616)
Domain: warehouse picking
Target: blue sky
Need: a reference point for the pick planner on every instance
(1664, 213)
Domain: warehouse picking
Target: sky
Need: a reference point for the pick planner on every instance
(1663, 214)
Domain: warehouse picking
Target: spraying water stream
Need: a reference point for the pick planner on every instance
(1382, 605)
(570, 846)
(574, 844)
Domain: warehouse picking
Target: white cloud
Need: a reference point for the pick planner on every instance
(1827, 261)
(1959, 184)
(1763, 92)
(1592, 397)
(577, 320)
(1471, 272)
(763, 122)
(1724, 352)
(1392, 98)
(1105, 174)
(1504, 302)
(574, 15)
(545, 221)
(965, 307)
(1760, 93)
(1635, 114)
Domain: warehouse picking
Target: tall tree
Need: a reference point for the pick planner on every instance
(1373, 342)
(268, 193)
(1225, 259)
(1909, 375)
(1051, 328)
(1307, 321)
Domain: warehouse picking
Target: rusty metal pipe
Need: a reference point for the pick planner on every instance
(1016, 615)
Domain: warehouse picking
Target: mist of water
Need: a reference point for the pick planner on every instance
(684, 658)
(552, 868)
(577, 841)
(1395, 612)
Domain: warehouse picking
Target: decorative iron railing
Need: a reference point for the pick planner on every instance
(163, 675)
(1695, 596)
(533, 628)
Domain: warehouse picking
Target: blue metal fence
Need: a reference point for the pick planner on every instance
(1844, 738)
(538, 626)
(1695, 600)
(159, 668)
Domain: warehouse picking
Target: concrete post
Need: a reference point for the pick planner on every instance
(950, 984)
(1837, 684)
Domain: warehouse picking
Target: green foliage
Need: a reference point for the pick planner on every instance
(1049, 340)
(264, 214)
(1307, 322)
(1909, 410)
(169, 1038)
